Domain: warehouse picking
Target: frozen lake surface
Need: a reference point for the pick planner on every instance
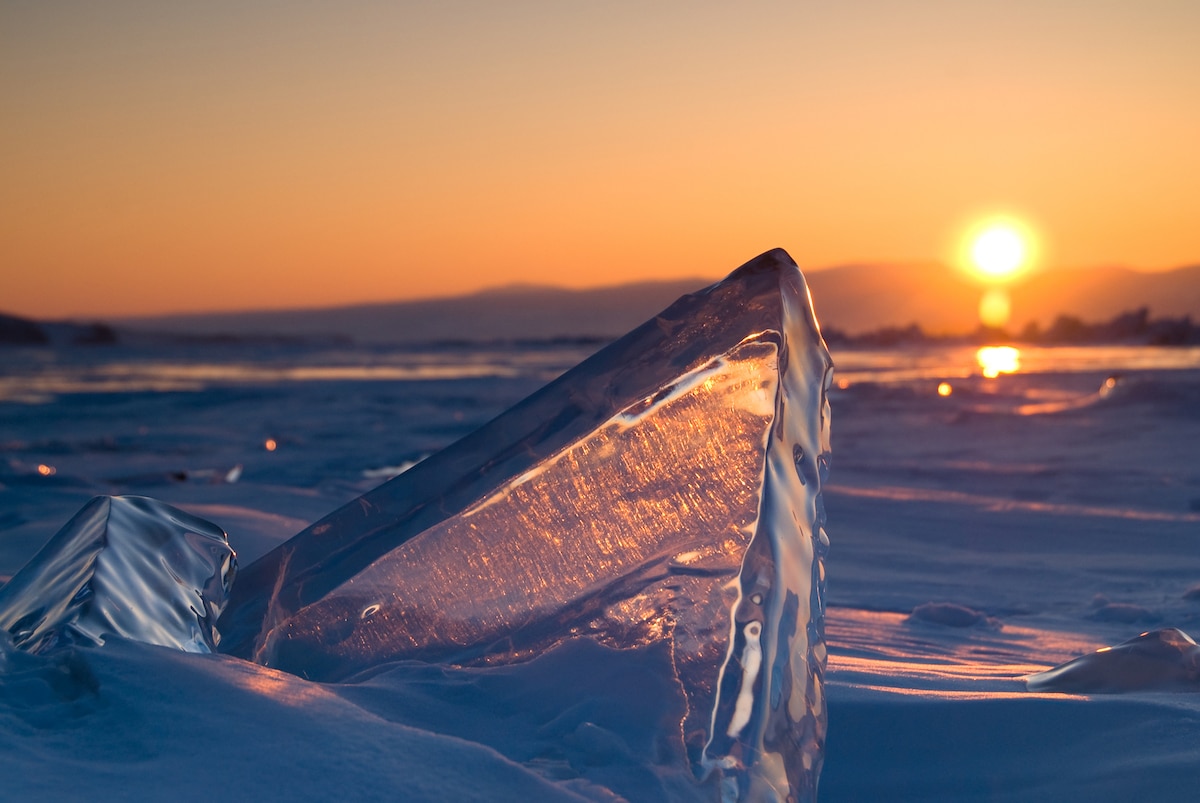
(978, 537)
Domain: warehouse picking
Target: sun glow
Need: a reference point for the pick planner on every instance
(995, 308)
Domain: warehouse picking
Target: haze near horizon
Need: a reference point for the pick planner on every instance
(186, 159)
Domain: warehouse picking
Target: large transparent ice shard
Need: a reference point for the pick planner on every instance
(124, 566)
(668, 488)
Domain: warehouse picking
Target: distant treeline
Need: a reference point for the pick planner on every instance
(1135, 328)
(16, 331)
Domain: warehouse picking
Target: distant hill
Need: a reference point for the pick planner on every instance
(1101, 293)
(863, 298)
(506, 313)
(853, 299)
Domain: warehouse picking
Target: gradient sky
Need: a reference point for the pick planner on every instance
(164, 157)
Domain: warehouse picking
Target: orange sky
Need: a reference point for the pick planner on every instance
(211, 156)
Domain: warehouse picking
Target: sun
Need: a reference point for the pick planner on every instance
(999, 249)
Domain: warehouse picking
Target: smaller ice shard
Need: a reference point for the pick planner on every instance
(1161, 660)
(124, 566)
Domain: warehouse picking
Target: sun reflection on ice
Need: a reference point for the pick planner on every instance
(996, 360)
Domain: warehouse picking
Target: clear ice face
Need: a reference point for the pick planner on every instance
(630, 533)
(124, 566)
(665, 490)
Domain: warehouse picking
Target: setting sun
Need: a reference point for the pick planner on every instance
(999, 249)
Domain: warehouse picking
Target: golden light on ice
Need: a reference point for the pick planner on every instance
(996, 360)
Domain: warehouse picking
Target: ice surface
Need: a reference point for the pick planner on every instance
(933, 502)
(1160, 660)
(124, 566)
(666, 489)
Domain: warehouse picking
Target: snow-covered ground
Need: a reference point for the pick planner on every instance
(1066, 531)
(977, 538)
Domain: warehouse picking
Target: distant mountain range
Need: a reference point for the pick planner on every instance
(852, 299)
(506, 313)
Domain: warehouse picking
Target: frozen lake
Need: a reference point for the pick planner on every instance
(980, 533)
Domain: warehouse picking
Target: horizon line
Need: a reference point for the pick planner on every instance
(520, 286)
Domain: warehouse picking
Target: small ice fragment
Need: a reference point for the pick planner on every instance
(1124, 612)
(1160, 660)
(388, 472)
(124, 566)
(950, 615)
